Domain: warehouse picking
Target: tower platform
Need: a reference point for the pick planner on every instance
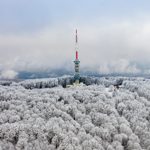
(77, 74)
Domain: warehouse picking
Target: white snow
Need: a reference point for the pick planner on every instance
(42, 115)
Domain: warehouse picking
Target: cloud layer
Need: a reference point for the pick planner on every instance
(122, 66)
(8, 74)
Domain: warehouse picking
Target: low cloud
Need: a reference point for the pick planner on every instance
(110, 47)
(147, 71)
(8, 74)
(121, 66)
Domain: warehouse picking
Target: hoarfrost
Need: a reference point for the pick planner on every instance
(40, 114)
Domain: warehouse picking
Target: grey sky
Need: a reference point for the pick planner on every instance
(37, 36)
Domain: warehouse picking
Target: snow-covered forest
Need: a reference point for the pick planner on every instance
(40, 114)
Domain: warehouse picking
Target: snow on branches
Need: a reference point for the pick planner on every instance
(40, 115)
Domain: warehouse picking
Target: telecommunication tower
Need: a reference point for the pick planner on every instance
(77, 62)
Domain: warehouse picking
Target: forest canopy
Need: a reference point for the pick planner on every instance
(40, 114)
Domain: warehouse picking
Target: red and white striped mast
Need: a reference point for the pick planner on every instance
(76, 48)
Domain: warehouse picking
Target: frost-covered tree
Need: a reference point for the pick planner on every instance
(40, 115)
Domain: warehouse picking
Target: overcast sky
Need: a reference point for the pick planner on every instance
(39, 36)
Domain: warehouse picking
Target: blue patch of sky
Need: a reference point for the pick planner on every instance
(20, 15)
